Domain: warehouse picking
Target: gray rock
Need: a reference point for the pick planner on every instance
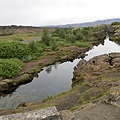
(114, 55)
(0, 78)
(66, 115)
(50, 113)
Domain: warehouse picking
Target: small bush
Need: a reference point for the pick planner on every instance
(46, 37)
(70, 37)
(54, 45)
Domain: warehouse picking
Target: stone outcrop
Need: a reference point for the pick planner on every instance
(7, 85)
(50, 113)
(97, 66)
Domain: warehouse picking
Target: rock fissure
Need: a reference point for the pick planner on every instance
(110, 60)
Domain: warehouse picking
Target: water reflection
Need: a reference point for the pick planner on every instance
(49, 69)
(106, 48)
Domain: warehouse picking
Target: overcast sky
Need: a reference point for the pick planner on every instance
(54, 12)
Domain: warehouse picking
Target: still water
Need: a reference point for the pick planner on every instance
(53, 79)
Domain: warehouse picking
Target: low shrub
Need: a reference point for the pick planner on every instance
(10, 67)
(14, 50)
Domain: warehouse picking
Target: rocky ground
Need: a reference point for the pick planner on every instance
(98, 111)
(100, 73)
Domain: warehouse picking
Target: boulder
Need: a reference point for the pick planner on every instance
(50, 113)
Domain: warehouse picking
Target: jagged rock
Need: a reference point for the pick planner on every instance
(114, 93)
(115, 58)
(8, 81)
(114, 55)
(3, 86)
(50, 113)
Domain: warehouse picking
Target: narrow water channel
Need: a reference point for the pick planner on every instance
(53, 79)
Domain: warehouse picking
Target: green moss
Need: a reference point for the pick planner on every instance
(110, 79)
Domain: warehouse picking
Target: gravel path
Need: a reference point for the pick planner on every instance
(30, 40)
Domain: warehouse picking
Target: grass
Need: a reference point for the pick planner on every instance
(18, 37)
(62, 95)
(86, 97)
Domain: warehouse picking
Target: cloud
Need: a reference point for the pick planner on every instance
(46, 12)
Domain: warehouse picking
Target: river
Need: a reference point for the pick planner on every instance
(53, 80)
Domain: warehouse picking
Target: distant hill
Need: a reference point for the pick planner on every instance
(87, 24)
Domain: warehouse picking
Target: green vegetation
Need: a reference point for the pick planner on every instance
(54, 45)
(46, 37)
(10, 67)
(115, 23)
(116, 34)
(83, 44)
(19, 50)
(5, 34)
(14, 50)
(13, 53)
